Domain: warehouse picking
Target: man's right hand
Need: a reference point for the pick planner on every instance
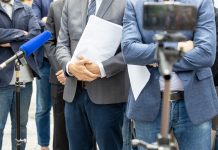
(79, 70)
(44, 19)
(6, 45)
(25, 33)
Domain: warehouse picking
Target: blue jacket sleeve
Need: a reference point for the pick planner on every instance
(33, 30)
(36, 6)
(11, 35)
(134, 50)
(33, 26)
(204, 52)
(204, 38)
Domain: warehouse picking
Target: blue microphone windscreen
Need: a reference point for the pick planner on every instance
(35, 43)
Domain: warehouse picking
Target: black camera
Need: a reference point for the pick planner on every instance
(169, 16)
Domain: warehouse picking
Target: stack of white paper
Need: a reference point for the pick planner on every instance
(99, 40)
(139, 76)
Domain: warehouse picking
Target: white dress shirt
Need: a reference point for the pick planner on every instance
(100, 65)
(8, 7)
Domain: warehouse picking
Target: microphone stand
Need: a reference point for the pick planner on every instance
(18, 86)
(166, 57)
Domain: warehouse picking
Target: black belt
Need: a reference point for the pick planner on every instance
(175, 96)
(82, 83)
(45, 59)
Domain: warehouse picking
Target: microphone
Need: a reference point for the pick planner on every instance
(28, 48)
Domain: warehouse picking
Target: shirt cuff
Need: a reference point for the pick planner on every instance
(101, 68)
(67, 69)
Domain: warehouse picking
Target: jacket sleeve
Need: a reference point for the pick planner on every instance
(202, 56)
(33, 26)
(114, 65)
(50, 46)
(215, 66)
(204, 52)
(63, 53)
(36, 6)
(134, 50)
(33, 30)
(11, 35)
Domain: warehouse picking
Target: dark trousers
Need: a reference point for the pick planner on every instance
(86, 120)
(60, 141)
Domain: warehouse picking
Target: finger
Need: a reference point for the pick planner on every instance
(90, 74)
(62, 79)
(91, 79)
(59, 72)
(83, 60)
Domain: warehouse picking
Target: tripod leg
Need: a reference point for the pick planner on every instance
(17, 85)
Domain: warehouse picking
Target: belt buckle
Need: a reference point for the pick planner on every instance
(176, 97)
(83, 84)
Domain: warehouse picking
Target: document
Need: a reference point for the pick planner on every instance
(99, 40)
(139, 76)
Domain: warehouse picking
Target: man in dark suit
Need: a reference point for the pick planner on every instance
(57, 77)
(17, 25)
(43, 95)
(95, 94)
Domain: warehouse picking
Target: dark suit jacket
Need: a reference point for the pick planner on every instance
(40, 9)
(53, 25)
(12, 32)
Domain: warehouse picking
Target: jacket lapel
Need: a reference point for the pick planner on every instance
(17, 5)
(103, 8)
(1, 9)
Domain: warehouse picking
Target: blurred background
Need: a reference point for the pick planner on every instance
(28, 2)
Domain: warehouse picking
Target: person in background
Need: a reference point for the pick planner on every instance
(18, 24)
(43, 91)
(57, 77)
(193, 101)
(27, 2)
(95, 93)
(215, 78)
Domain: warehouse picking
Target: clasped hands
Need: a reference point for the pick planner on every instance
(84, 69)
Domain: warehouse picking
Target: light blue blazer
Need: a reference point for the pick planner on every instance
(193, 69)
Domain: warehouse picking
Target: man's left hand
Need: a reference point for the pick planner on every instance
(93, 68)
(44, 19)
(61, 77)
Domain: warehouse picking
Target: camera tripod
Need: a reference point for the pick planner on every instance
(166, 57)
(18, 86)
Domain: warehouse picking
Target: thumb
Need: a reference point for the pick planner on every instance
(83, 60)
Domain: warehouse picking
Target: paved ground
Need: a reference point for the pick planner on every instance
(31, 127)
